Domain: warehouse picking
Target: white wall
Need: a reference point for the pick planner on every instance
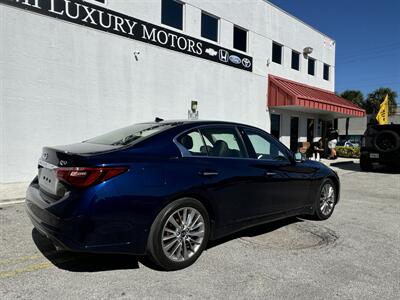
(62, 83)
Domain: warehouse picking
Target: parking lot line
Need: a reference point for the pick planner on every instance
(20, 259)
(30, 268)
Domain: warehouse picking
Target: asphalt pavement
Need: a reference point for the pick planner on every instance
(353, 255)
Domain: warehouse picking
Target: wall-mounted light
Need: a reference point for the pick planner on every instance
(307, 51)
(193, 113)
(193, 106)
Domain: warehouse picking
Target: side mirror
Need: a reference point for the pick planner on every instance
(298, 157)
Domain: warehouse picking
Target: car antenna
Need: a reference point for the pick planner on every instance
(158, 119)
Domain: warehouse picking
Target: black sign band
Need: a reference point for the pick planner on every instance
(100, 18)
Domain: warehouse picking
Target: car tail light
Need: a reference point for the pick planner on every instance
(82, 177)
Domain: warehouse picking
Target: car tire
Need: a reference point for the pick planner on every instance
(365, 164)
(175, 244)
(326, 200)
(387, 141)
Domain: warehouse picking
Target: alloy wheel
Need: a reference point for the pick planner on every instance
(327, 199)
(183, 234)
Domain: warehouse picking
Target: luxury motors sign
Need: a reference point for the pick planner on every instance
(100, 18)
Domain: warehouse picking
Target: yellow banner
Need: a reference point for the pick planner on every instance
(383, 114)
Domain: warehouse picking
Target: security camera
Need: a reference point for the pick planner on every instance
(308, 50)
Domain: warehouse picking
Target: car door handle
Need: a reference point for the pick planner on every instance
(269, 174)
(208, 173)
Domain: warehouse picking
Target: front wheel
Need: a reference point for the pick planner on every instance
(179, 234)
(326, 200)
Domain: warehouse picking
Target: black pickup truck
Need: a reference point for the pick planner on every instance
(380, 144)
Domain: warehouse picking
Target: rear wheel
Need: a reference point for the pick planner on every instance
(179, 234)
(326, 200)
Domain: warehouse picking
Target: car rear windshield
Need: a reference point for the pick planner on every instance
(131, 134)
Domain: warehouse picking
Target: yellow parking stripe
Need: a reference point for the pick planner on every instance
(20, 259)
(30, 268)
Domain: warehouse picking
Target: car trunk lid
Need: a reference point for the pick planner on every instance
(66, 156)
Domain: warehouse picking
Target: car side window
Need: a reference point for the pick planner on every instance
(223, 142)
(193, 142)
(265, 148)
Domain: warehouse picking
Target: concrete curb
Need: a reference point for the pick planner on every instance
(339, 161)
(12, 191)
(11, 201)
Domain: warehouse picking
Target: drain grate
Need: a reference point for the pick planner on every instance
(295, 236)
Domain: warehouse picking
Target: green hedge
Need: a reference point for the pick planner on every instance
(351, 152)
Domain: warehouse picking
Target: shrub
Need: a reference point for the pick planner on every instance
(350, 152)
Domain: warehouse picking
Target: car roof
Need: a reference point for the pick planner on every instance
(199, 122)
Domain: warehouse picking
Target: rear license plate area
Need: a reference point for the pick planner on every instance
(374, 155)
(47, 180)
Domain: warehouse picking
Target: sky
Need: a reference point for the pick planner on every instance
(367, 35)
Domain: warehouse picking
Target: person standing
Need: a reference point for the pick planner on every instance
(332, 141)
(316, 150)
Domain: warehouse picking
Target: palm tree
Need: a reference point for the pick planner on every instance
(375, 98)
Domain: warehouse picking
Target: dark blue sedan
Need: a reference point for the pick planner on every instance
(166, 188)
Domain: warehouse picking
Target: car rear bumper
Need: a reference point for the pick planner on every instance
(80, 233)
(391, 158)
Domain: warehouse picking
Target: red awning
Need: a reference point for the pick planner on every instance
(283, 92)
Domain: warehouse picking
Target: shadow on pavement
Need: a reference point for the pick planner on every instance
(350, 166)
(84, 262)
(89, 262)
(255, 231)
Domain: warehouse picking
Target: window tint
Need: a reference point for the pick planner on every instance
(276, 53)
(239, 39)
(130, 134)
(172, 13)
(326, 72)
(224, 142)
(264, 147)
(275, 125)
(311, 66)
(209, 27)
(193, 142)
(295, 60)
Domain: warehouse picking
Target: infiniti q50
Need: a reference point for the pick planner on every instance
(164, 189)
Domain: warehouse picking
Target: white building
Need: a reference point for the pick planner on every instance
(72, 69)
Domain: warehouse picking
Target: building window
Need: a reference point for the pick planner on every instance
(276, 53)
(295, 60)
(311, 66)
(172, 13)
(276, 125)
(326, 72)
(294, 133)
(239, 39)
(209, 27)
